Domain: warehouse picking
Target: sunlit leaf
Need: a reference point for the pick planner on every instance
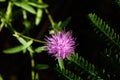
(14, 49)
(23, 42)
(41, 66)
(40, 49)
(25, 6)
(38, 5)
(30, 49)
(61, 63)
(1, 78)
(1, 26)
(38, 16)
(2, 0)
(52, 32)
(37, 76)
(20, 39)
(18, 48)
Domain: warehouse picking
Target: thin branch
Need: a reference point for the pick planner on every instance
(39, 41)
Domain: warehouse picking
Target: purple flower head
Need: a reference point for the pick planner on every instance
(60, 44)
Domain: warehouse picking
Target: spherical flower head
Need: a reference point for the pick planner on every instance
(60, 44)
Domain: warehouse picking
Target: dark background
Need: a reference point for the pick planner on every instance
(89, 44)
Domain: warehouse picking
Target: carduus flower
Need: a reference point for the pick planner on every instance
(60, 44)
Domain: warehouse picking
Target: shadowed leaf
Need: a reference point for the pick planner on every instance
(41, 66)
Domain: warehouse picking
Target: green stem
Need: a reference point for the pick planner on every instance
(48, 14)
(50, 17)
(33, 66)
(39, 41)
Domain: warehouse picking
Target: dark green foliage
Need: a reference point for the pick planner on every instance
(67, 74)
(118, 2)
(61, 24)
(85, 65)
(41, 66)
(108, 34)
(104, 30)
(83, 69)
(111, 54)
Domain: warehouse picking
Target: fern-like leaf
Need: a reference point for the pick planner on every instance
(67, 74)
(112, 52)
(104, 30)
(85, 65)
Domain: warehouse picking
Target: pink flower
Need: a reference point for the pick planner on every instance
(60, 44)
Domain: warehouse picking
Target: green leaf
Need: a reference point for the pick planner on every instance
(20, 39)
(40, 49)
(17, 48)
(30, 49)
(1, 78)
(38, 5)
(41, 66)
(57, 25)
(23, 42)
(52, 31)
(61, 63)
(27, 25)
(25, 6)
(14, 49)
(60, 25)
(65, 23)
(2, 0)
(37, 76)
(38, 16)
